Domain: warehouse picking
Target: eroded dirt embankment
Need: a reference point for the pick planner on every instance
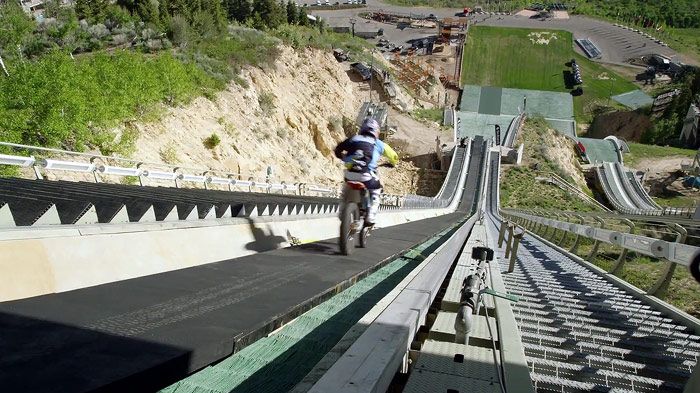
(290, 117)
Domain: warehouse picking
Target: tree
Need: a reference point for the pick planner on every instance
(271, 14)
(239, 10)
(292, 14)
(179, 7)
(179, 31)
(16, 28)
(117, 16)
(129, 5)
(215, 9)
(321, 24)
(302, 19)
(148, 11)
(82, 9)
(164, 12)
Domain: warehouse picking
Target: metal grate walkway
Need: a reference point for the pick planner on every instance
(581, 333)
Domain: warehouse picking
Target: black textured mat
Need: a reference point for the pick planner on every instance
(144, 333)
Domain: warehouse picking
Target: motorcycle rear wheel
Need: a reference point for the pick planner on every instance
(347, 236)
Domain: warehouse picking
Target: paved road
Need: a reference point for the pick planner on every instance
(617, 44)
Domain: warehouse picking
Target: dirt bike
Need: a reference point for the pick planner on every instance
(354, 208)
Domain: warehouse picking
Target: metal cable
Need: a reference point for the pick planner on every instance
(497, 365)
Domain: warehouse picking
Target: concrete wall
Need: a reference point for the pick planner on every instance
(41, 261)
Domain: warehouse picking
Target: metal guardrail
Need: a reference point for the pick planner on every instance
(512, 132)
(100, 165)
(448, 192)
(565, 185)
(675, 253)
(97, 166)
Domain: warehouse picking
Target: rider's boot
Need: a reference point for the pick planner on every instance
(371, 215)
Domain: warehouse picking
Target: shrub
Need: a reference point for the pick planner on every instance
(212, 141)
(16, 28)
(98, 31)
(120, 39)
(129, 180)
(125, 146)
(59, 101)
(168, 154)
(301, 37)
(266, 101)
(179, 31)
(229, 128)
(282, 132)
(432, 114)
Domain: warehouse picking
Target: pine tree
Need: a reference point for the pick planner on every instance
(292, 14)
(302, 19)
(271, 13)
(92, 10)
(82, 9)
(164, 12)
(216, 10)
(179, 7)
(129, 5)
(148, 11)
(99, 10)
(239, 10)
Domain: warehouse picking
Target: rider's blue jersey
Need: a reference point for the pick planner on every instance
(362, 153)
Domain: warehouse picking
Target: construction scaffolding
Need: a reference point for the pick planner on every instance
(452, 29)
(417, 75)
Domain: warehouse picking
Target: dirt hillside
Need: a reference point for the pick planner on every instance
(550, 151)
(290, 117)
(629, 125)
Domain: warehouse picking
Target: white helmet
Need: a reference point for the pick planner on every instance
(371, 127)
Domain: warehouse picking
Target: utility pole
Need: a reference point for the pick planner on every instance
(352, 23)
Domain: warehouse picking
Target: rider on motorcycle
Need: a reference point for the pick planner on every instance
(361, 154)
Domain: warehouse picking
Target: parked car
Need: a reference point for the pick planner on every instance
(362, 70)
(340, 55)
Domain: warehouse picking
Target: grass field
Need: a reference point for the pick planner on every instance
(508, 57)
(640, 151)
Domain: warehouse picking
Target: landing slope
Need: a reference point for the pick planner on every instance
(536, 59)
